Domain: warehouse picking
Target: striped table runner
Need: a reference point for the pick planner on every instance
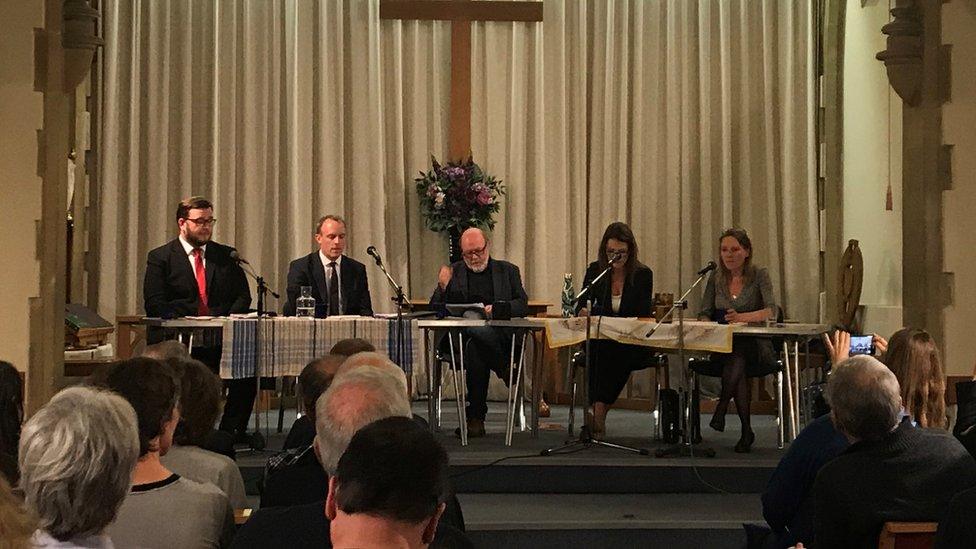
(287, 344)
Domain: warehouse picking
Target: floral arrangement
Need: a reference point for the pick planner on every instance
(458, 195)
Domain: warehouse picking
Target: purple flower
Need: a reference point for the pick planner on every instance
(454, 172)
(484, 198)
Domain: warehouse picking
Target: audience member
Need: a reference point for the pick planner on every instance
(965, 428)
(379, 360)
(389, 488)
(355, 399)
(893, 470)
(374, 360)
(914, 358)
(163, 509)
(312, 382)
(199, 406)
(221, 442)
(295, 475)
(16, 524)
(77, 455)
(957, 528)
(787, 503)
(165, 350)
(788, 499)
(350, 346)
(11, 418)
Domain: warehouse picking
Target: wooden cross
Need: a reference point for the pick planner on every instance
(460, 13)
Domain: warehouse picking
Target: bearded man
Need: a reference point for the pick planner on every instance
(480, 278)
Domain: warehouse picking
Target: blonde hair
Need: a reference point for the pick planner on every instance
(914, 358)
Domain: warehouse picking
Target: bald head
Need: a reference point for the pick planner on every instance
(374, 361)
(865, 398)
(354, 400)
(474, 249)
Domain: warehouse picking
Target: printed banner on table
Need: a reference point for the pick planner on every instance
(699, 336)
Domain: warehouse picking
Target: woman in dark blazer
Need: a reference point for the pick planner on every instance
(627, 291)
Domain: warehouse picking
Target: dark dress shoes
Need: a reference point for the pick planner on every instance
(476, 429)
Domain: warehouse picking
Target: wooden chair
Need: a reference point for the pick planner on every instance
(241, 516)
(907, 535)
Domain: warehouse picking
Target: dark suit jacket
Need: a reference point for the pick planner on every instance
(307, 526)
(506, 285)
(170, 287)
(634, 301)
(309, 271)
(965, 429)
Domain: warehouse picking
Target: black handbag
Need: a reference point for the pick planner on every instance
(670, 414)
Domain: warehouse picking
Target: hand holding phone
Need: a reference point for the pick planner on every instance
(862, 345)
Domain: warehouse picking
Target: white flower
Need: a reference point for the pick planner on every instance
(439, 200)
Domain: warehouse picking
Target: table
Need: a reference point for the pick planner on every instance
(698, 336)
(791, 334)
(282, 346)
(452, 325)
(535, 307)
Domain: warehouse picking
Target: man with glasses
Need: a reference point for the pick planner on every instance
(192, 275)
(479, 278)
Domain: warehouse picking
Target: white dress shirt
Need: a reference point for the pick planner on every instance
(189, 254)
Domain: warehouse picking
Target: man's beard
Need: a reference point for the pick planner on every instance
(474, 268)
(194, 240)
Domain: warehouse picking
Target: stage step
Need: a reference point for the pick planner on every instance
(604, 520)
(606, 477)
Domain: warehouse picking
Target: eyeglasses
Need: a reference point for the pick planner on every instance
(202, 221)
(611, 252)
(475, 253)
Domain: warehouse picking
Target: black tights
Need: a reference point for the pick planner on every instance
(735, 385)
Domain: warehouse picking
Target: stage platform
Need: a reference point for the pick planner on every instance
(595, 497)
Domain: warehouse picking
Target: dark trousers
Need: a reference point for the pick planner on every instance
(486, 350)
(240, 392)
(610, 366)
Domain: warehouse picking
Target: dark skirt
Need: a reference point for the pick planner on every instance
(610, 366)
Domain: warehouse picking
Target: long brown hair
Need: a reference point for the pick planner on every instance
(618, 230)
(723, 275)
(914, 358)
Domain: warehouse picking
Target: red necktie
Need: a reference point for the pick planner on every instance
(201, 275)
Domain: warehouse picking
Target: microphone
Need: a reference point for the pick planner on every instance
(237, 257)
(372, 252)
(709, 267)
(614, 257)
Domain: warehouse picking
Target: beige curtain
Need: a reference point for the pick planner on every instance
(283, 111)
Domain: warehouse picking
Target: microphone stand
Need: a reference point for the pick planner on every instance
(257, 441)
(401, 301)
(689, 420)
(585, 438)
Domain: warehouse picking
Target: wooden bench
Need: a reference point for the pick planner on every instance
(907, 535)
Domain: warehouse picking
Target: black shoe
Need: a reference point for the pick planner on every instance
(254, 441)
(257, 441)
(744, 446)
(476, 429)
(718, 423)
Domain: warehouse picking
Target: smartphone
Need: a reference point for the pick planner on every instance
(862, 345)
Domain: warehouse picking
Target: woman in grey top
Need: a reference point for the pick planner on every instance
(739, 292)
